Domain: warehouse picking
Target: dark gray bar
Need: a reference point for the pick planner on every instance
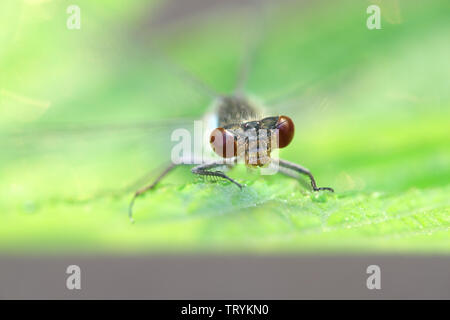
(225, 277)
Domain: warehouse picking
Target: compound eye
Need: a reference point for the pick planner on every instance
(286, 130)
(223, 143)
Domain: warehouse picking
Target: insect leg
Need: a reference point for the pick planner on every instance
(200, 169)
(302, 170)
(186, 161)
(204, 170)
(148, 187)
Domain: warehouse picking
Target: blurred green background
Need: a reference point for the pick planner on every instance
(371, 107)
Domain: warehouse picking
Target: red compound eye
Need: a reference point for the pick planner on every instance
(286, 130)
(223, 143)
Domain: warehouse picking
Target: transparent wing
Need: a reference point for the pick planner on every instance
(42, 137)
(86, 161)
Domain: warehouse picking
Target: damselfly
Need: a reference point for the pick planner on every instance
(237, 130)
(233, 130)
(235, 127)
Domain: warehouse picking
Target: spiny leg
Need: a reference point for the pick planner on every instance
(200, 169)
(203, 170)
(302, 170)
(148, 187)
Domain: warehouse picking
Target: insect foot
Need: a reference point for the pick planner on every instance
(323, 188)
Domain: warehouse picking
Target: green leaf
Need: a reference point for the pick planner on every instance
(371, 120)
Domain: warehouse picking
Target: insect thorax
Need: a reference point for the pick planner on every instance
(234, 110)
